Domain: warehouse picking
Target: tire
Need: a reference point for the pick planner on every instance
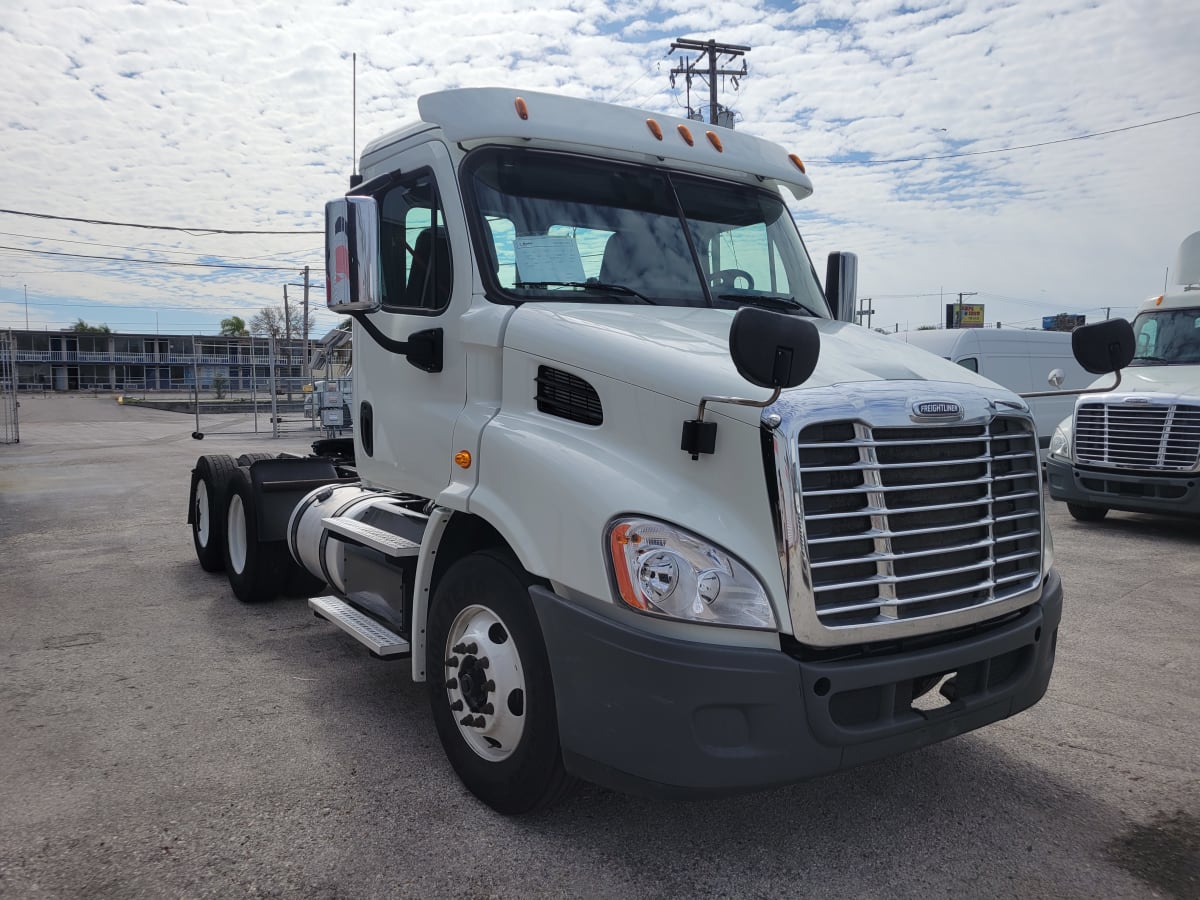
(1087, 513)
(206, 509)
(483, 620)
(246, 458)
(257, 569)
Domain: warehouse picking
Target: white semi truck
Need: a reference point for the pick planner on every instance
(630, 492)
(1138, 448)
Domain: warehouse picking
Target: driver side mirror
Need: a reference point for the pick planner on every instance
(352, 282)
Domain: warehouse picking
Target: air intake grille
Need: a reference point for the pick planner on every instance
(907, 522)
(1163, 437)
(567, 396)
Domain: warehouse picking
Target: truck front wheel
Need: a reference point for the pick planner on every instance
(1083, 513)
(491, 693)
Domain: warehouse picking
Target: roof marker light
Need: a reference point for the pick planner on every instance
(686, 135)
(714, 140)
(797, 162)
(1158, 300)
(522, 109)
(655, 129)
(462, 459)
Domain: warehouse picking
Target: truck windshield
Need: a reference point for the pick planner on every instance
(555, 227)
(1168, 337)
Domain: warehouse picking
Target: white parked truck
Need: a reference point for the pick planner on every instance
(630, 492)
(1138, 448)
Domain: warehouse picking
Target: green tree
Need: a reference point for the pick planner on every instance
(82, 327)
(234, 326)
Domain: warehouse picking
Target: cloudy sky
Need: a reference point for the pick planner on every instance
(211, 114)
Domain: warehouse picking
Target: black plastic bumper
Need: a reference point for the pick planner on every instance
(658, 716)
(1129, 491)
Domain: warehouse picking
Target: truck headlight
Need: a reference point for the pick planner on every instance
(1060, 442)
(668, 572)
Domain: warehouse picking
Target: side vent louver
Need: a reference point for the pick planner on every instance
(567, 396)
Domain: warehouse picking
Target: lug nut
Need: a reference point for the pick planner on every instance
(456, 706)
(490, 686)
(459, 648)
(451, 683)
(488, 709)
(471, 648)
(467, 720)
(483, 661)
(452, 662)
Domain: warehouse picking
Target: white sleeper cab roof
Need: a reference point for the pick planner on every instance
(483, 115)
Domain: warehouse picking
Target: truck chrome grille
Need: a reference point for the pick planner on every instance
(1156, 436)
(917, 521)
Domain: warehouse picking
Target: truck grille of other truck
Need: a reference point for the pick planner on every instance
(918, 521)
(1153, 436)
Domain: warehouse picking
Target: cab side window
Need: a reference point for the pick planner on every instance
(415, 245)
(969, 362)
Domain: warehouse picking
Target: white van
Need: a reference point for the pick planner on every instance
(1019, 360)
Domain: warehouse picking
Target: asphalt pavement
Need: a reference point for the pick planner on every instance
(160, 739)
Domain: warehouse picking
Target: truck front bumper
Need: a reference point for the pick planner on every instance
(1130, 491)
(658, 716)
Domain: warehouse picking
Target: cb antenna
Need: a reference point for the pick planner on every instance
(355, 178)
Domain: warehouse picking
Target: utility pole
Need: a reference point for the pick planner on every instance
(26, 306)
(689, 68)
(307, 352)
(958, 312)
(287, 338)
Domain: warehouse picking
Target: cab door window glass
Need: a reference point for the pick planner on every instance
(415, 245)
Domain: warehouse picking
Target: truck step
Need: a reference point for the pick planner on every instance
(369, 536)
(379, 639)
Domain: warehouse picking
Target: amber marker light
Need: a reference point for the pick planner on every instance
(714, 140)
(1158, 300)
(686, 135)
(617, 542)
(522, 109)
(797, 162)
(655, 129)
(462, 459)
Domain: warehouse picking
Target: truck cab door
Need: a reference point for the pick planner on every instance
(404, 414)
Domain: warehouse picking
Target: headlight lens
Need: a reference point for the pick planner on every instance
(668, 572)
(1060, 442)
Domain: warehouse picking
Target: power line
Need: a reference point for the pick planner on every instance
(1079, 137)
(152, 262)
(192, 231)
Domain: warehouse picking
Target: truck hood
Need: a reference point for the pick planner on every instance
(683, 352)
(1180, 381)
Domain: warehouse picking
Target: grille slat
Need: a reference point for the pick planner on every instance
(907, 522)
(1161, 437)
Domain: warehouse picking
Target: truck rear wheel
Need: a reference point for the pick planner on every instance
(1083, 513)
(206, 509)
(257, 569)
(491, 695)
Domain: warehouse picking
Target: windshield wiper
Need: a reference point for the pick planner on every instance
(603, 287)
(786, 304)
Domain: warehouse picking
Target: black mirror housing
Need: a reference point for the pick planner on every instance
(771, 349)
(1103, 347)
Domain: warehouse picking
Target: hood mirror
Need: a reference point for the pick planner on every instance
(770, 350)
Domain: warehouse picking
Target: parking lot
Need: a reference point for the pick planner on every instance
(161, 739)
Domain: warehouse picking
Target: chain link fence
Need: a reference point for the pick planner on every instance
(10, 431)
